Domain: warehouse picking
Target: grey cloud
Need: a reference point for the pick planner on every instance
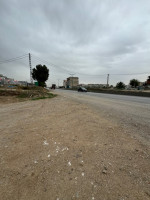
(91, 37)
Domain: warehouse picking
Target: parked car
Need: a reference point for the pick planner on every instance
(82, 89)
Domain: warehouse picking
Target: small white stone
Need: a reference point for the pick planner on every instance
(57, 148)
(48, 155)
(45, 143)
(82, 173)
(69, 163)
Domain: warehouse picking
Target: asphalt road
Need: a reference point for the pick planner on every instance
(130, 112)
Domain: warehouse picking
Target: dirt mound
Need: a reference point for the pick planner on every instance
(9, 93)
(22, 94)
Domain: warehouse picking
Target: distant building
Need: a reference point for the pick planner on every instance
(93, 85)
(72, 82)
(141, 83)
(97, 85)
(65, 83)
(4, 80)
(23, 83)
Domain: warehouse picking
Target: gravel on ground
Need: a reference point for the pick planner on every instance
(60, 149)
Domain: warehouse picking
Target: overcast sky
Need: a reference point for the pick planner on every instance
(89, 38)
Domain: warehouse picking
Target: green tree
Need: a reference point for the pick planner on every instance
(120, 85)
(134, 82)
(148, 80)
(41, 74)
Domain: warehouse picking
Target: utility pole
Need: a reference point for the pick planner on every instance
(72, 79)
(31, 80)
(107, 80)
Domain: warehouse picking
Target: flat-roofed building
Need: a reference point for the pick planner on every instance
(96, 85)
(72, 82)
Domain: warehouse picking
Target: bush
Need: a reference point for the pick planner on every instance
(120, 85)
(134, 82)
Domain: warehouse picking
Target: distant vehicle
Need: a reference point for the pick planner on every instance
(82, 89)
(53, 86)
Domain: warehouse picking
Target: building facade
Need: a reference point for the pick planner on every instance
(72, 82)
(93, 85)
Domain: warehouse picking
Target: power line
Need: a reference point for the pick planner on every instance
(49, 63)
(132, 74)
(62, 68)
(14, 59)
(92, 74)
(113, 74)
(20, 62)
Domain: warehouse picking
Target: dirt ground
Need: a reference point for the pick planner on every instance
(58, 149)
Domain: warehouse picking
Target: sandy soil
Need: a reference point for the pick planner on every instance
(58, 149)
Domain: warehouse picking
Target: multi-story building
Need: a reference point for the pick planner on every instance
(72, 82)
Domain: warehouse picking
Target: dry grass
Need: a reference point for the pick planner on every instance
(23, 94)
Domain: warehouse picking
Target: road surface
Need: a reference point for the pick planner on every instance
(131, 112)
